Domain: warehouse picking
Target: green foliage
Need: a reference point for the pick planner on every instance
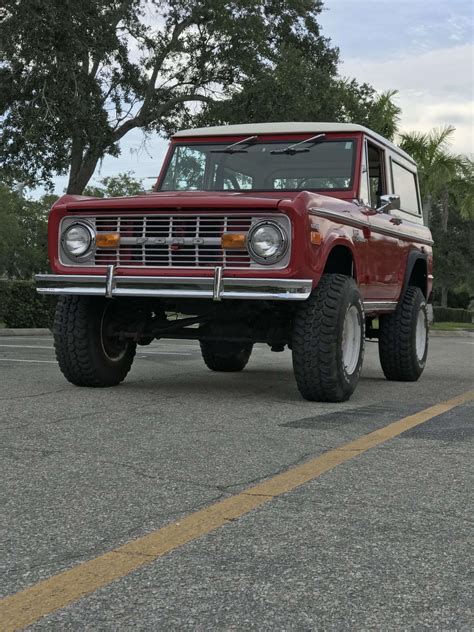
(453, 252)
(304, 87)
(77, 76)
(4, 297)
(453, 315)
(437, 166)
(22, 307)
(116, 186)
(447, 189)
(23, 234)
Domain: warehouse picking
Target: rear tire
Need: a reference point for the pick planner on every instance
(403, 338)
(226, 357)
(328, 340)
(86, 354)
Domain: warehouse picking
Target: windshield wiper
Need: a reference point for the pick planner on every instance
(230, 148)
(295, 149)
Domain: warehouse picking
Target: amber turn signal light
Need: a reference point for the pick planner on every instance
(233, 241)
(316, 238)
(107, 240)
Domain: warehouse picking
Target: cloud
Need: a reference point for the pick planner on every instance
(435, 88)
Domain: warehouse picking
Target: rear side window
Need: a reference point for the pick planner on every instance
(405, 185)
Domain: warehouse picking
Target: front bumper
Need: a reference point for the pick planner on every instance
(215, 288)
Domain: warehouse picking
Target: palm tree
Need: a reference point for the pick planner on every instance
(445, 177)
(436, 165)
(385, 114)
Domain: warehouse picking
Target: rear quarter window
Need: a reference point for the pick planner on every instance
(405, 185)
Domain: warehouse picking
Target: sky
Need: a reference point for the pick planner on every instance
(422, 48)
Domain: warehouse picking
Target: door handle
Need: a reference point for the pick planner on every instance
(395, 220)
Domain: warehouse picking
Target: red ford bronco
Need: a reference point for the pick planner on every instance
(306, 235)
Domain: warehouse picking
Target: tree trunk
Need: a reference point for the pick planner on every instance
(82, 168)
(427, 210)
(444, 210)
(444, 295)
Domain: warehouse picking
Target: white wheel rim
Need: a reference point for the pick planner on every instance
(112, 358)
(351, 340)
(421, 332)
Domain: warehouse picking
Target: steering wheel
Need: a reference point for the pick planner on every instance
(233, 180)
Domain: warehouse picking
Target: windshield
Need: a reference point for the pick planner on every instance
(261, 166)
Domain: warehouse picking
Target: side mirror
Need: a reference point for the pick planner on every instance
(390, 202)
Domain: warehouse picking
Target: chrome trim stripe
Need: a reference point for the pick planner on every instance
(400, 235)
(178, 287)
(343, 219)
(351, 221)
(379, 306)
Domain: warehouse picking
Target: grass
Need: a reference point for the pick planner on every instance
(452, 326)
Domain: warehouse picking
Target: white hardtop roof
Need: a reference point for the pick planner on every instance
(303, 127)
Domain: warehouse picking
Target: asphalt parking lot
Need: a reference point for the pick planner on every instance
(377, 541)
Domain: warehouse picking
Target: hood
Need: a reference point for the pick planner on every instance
(184, 199)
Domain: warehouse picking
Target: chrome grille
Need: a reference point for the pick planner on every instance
(172, 240)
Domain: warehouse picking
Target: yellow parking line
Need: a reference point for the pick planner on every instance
(29, 605)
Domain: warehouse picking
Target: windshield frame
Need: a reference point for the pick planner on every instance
(263, 139)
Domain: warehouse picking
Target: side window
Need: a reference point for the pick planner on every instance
(186, 171)
(377, 183)
(404, 185)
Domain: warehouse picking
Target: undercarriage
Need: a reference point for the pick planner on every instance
(144, 320)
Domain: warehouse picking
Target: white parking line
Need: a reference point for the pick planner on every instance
(163, 353)
(26, 347)
(463, 342)
(140, 356)
(154, 345)
(35, 361)
(26, 338)
(140, 352)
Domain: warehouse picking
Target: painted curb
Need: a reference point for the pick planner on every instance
(464, 333)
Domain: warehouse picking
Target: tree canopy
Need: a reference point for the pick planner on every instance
(23, 235)
(77, 76)
(447, 191)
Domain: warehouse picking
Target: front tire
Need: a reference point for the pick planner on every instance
(226, 357)
(328, 340)
(86, 352)
(403, 338)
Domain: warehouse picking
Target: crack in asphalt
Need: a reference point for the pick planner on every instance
(32, 396)
(222, 488)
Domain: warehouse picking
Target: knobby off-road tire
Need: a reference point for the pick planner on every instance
(328, 340)
(86, 355)
(403, 338)
(227, 357)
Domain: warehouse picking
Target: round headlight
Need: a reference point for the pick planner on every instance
(77, 239)
(267, 242)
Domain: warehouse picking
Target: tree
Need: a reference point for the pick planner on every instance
(447, 190)
(116, 186)
(436, 166)
(23, 237)
(453, 250)
(76, 77)
(302, 87)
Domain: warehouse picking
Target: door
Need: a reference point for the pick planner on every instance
(385, 252)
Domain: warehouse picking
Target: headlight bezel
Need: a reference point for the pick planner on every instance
(276, 257)
(90, 247)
